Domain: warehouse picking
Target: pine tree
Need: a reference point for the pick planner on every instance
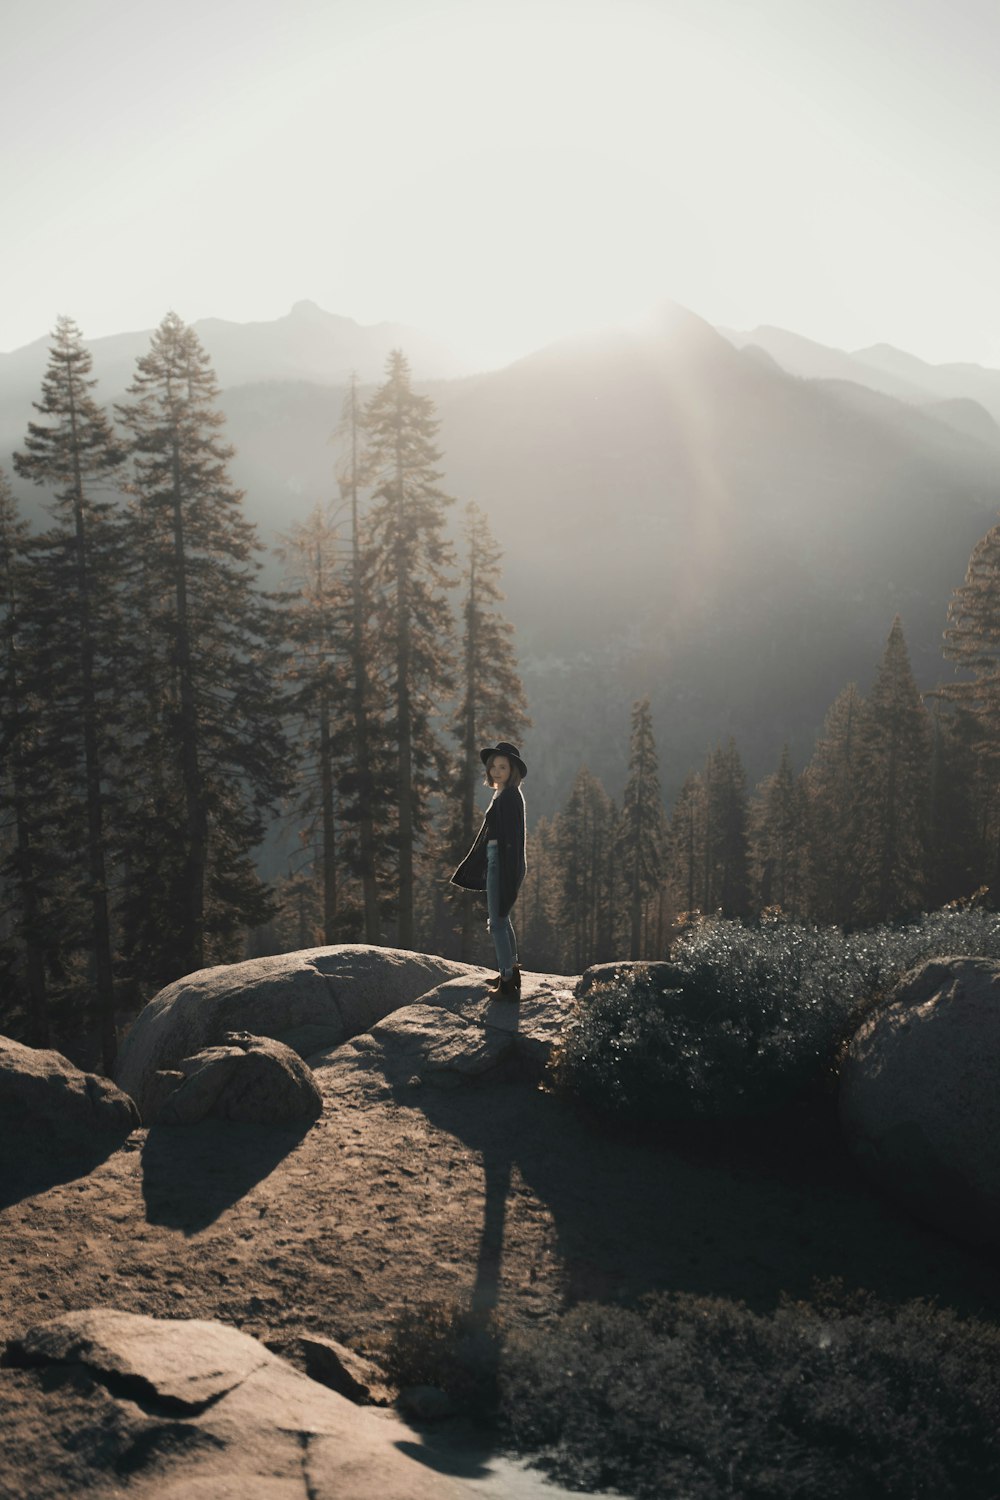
(583, 846)
(208, 731)
(414, 564)
(727, 853)
(76, 580)
(492, 705)
(972, 640)
(831, 783)
(536, 918)
(366, 783)
(687, 844)
(26, 782)
(778, 840)
(959, 809)
(894, 785)
(319, 672)
(641, 830)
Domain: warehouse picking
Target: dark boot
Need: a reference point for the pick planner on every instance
(509, 987)
(517, 978)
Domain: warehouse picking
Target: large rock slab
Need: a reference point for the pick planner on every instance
(249, 1078)
(458, 1032)
(194, 1408)
(49, 1106)
(325, 995)
(919, 1096)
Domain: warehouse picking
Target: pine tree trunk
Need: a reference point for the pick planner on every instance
(329, 828)
(405, 730)
(92, 772)
(362, 746)
(38, 1013)
(192, 947)
(38, 1016)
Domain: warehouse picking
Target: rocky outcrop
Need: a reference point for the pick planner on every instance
(184, 1408)
(919, 1100)
(248, 1078)
(314, 999)
(458, 1032)
(360, 1380)
(48, 1105)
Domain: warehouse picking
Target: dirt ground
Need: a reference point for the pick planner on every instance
(492, 1194)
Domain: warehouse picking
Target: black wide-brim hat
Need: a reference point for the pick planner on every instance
(511, 751)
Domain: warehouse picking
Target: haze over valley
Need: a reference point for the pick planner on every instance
(726, 522)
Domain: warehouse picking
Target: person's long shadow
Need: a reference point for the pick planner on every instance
(749, 1215)
(192, 1173)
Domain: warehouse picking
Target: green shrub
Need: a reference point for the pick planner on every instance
(449, 1345)
(738, 1024)
(743, 1020)
(701, 1397)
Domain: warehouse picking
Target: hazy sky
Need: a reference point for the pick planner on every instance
(500, 174)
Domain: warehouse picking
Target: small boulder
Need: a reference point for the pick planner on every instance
(919, 1102)
(351, 1375)
(317, 998)
(251, 1079)
(49, 1106)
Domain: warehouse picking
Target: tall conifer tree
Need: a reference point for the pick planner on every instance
(832, 787)
(959, 807)
(972, 640)
(779, 840)
(727, 850)
(414, 567)
(367, 782)
(319, 672)
(208, 728)
(641, 829)
(584, 850)
(492, 704)
(26, 780)
(895, 779)
(687, 843)
(76, 580)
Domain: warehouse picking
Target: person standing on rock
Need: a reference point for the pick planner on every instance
(496, 862)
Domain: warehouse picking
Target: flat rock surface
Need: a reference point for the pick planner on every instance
(119, 1403)
(460, 1031)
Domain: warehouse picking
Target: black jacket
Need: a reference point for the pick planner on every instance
(508, 815)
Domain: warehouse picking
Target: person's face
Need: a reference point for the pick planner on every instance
(500, 770)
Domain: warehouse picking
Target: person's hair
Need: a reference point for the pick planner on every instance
(515, 777)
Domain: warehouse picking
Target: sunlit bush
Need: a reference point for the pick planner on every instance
(742, 1020)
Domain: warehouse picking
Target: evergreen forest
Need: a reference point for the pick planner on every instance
(165, 716)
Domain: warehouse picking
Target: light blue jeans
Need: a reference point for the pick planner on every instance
(504, 940)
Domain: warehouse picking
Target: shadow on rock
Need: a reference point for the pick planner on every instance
(193, 1173)
(634, 1215)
